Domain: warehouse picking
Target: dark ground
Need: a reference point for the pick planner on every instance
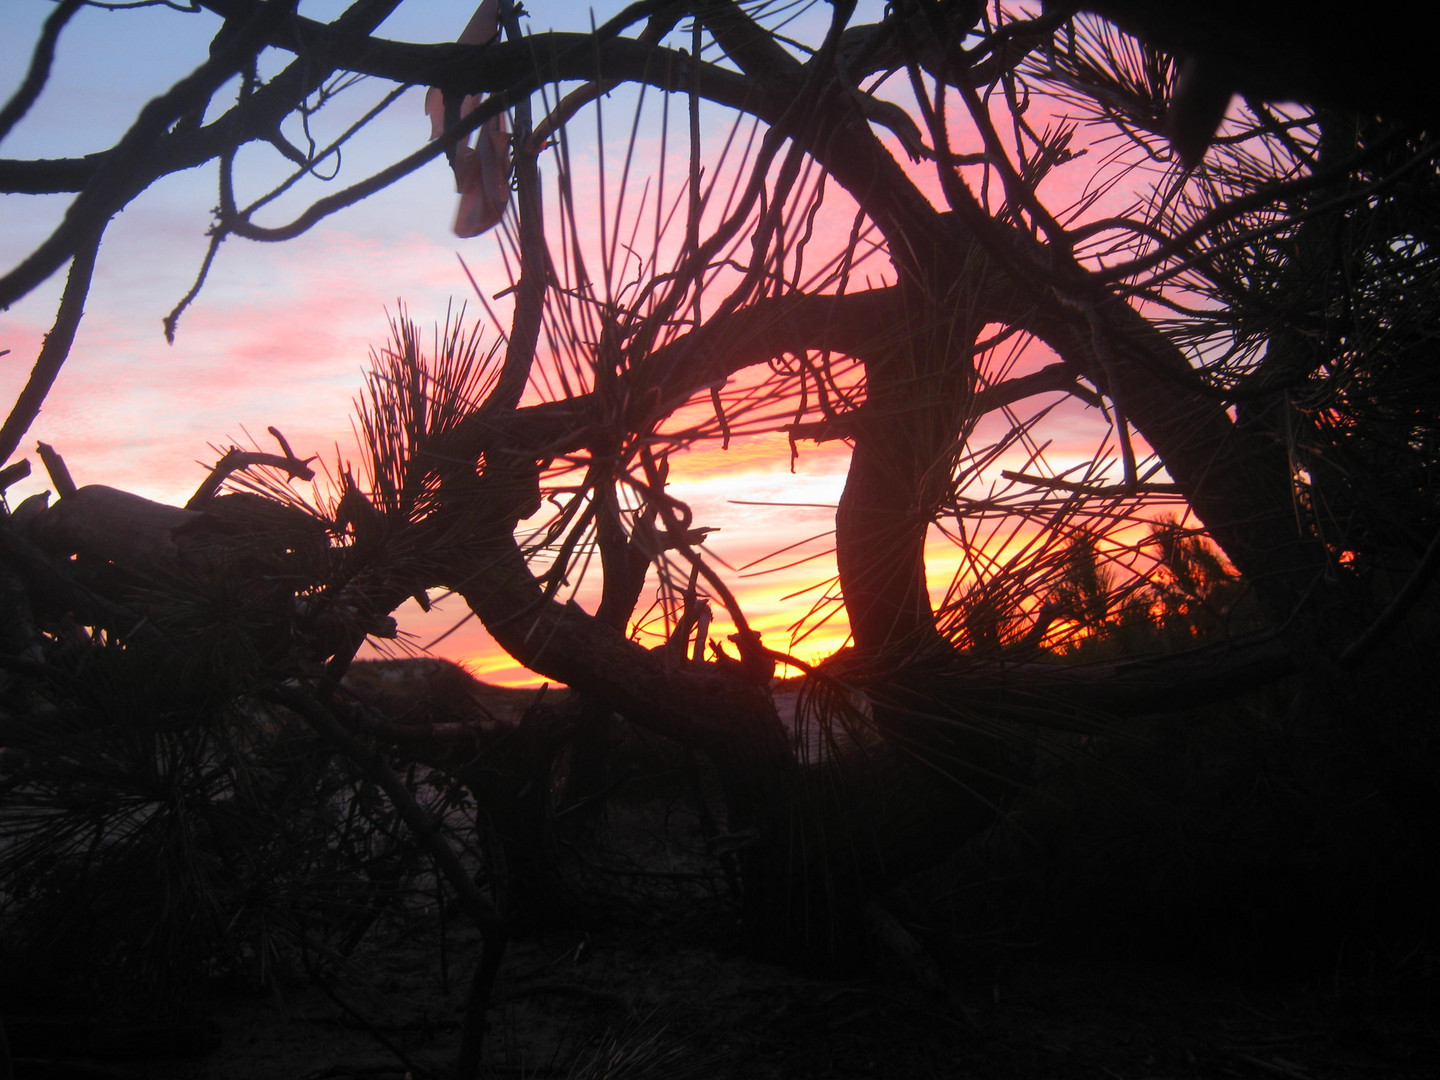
(664, 993)
(673, 1000)
(657, 989)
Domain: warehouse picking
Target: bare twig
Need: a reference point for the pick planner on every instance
(172, 320)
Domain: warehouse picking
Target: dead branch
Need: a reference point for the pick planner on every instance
(111, 525)
(14, 472)
(236, 460)
(55, 466)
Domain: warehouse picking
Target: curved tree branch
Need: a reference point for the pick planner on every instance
(55, 350)
(40, 61)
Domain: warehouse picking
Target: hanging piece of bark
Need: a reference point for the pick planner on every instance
(482, 171)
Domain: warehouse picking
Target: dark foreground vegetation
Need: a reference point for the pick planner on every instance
(1151, 791)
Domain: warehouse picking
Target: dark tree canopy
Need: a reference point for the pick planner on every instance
(1248, 308)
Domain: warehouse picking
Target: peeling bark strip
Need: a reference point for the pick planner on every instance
(482, 171)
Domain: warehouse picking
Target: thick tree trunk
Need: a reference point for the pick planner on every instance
(906, 435)
(880, 552)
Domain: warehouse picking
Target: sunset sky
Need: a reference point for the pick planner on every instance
(281, 332)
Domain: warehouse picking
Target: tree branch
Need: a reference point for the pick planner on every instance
(150, 150)
(55, 349)
(130, 170)
(236, 459)
(40, 61)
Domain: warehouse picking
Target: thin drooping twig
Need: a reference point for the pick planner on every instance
(172, 320)
(497, 103)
